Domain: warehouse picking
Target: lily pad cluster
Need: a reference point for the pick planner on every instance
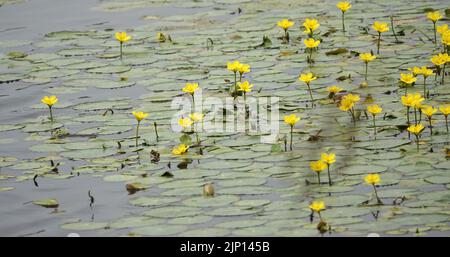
(261, 189)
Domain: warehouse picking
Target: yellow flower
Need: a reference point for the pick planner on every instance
(445, 109)
(367, 57)
(181, 149)
(196, 116)
(426, 72)
(122, 37)
(233, 66)
(344, 6)
(416, 129)
(346, 104)
(412, 100)
(285, 24)
(311, 43)
(442, 29)
(190, 88)
(185, 122)
(372, 179)
(291, 119)
(351, 97)
(440, 59)
(160, 37)
(374, 109)
(328, 158)
(428, 110)
(334, 89)
(415, 70)
(317, 206)
(380, 27)
(310, 25)
(49, 100)
(243, 68)
(446, 38)
(140, 115)
(245, 86)
(434, 16)
(307, 78)
(408, 78)
(318, 166)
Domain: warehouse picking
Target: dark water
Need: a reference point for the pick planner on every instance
(31, 20)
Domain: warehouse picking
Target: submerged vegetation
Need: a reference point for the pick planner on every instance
(337, 100)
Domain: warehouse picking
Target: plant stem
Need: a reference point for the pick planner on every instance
(393, 31)
(434, 28)
(407, 120)
(417, 142)
(367, 65)
(156, 130)
(352, 111)
(292, 131)
(443, 73)
(431, 127)
(446, 122)
(376, 193)
(235, 85)
(415, 116)
(329, 176)
(121, 45)
(374, 127)
(378, 43)
(310, 94)
(425, 87)
(318, 177)
(137, 133)
(343, 24)
(51, 114)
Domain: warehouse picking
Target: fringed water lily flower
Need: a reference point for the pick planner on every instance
(139, 117)
(411, 101)
(50, 101)
(373, 180)
(311, 44)
(374, 110)
(429, 111)
(243, 68)
(318, 166)
(122, 37)
(307, 78)
(317, 206)
(196, 119)
(190, 88)
(291, 120)
(366, 58)
(416, 130)
(425, 72)
(408, 79)
(328, 159)
(380, 27)
(333, 90)
(285, 24)
(445, 110)
(343, 6)
(245, 87)
(310, 26)
(234, 67)
(180, 149)
(438, 60)
(348, 103)
(434, 17)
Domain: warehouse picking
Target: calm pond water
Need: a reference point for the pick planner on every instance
(67, 48)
